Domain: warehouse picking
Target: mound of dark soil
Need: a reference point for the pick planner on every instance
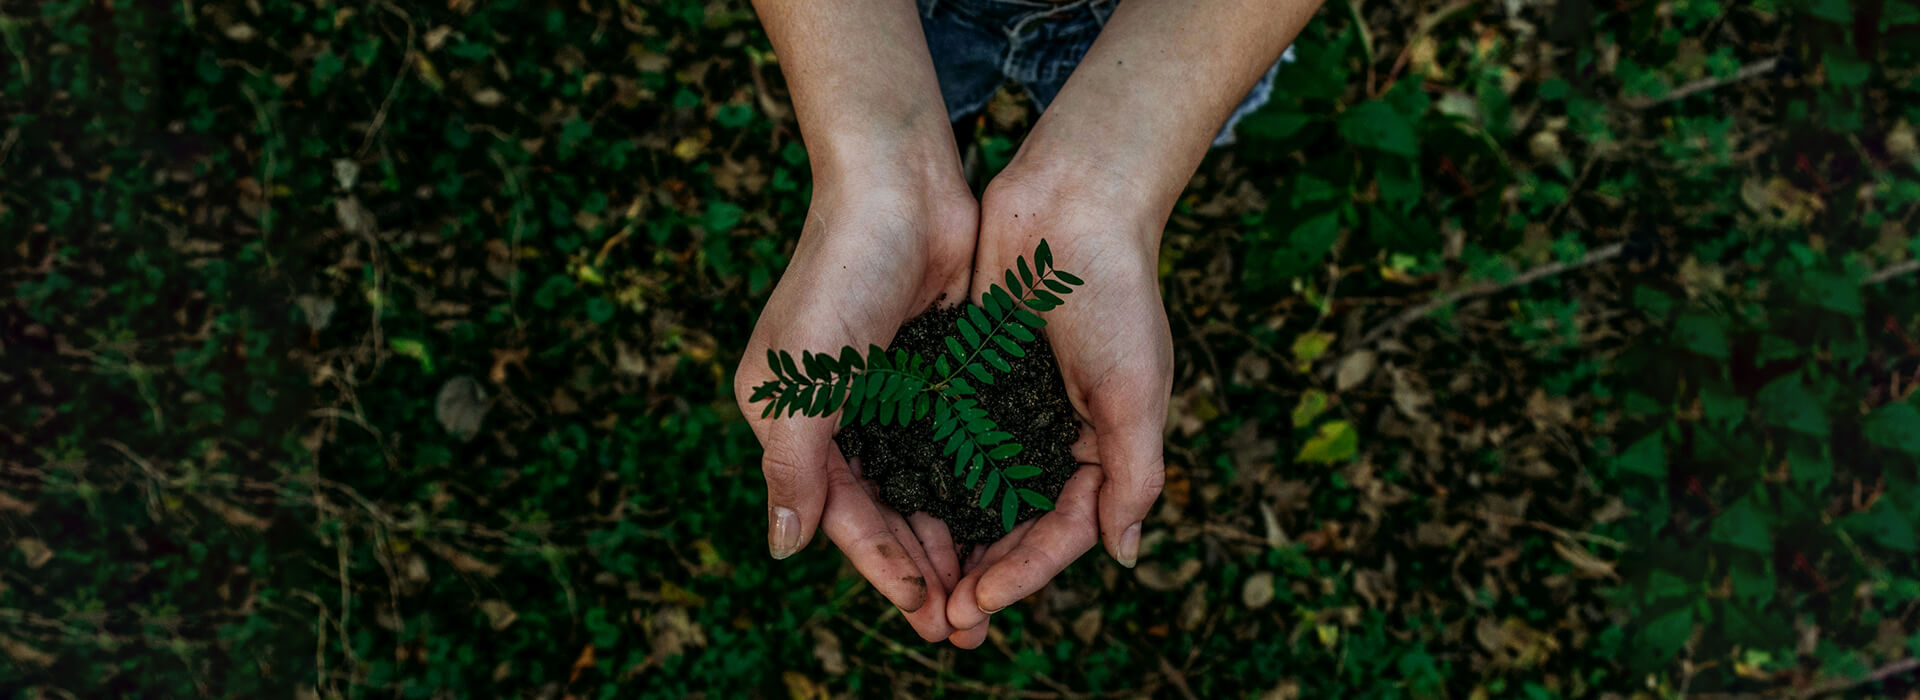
(1030, 402)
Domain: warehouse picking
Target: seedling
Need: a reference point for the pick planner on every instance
(899, 387)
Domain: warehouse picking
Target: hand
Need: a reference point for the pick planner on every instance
(1115, 351)
(871, 255)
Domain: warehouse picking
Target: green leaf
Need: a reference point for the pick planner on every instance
(980, 320)
(1042, 256)
(1035, 499)
(1019, 332)
(980, 374)
(992, 437)
(1375, 124)
(774, 362)
(793, 371)
(953, 346)
(961, 387)
(1837, 11)
(1047, 297)
(993, 484)
(1026, 275)
(967, 331)
(1895, 426)
(802, 400)
(1068, 277)
(1007, 304)
(1664, 635)
(1703, 334)
(1029, 318)
(1023, 471)
(966, 451)
(954, 441)
(811, 363)
(1742, 525)
(992, 304)
(869, 410)
(822, 401)
(1312, 404)
(1004, 451)
(1008, 345)
(994, 358)
(1885, 524)
(1009, 510)
(1335, 443)
(850, 359)
(1059, 287)
(1648, 457)
(1014, 284)
(1752, 578)
(1787, 403)
(906, 412)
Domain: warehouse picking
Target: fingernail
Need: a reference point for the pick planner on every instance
(783, 532)
(1129, 546)
(995, 610)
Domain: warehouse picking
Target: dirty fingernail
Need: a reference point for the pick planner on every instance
(783, 532)
(1129, 546)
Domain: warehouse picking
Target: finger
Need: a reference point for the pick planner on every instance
(930, 621)
(794, 466)
(1134, 464)
(1057, 538)
(970, 638)
(963, 608)
(937, 542)
(855, 523)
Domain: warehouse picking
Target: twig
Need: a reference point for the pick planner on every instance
(1178, 679)
(1907, 665)
(1892, 271)
(406, 61)
(1688, 89)
(894, 646)
(1401, 320)
(1569, 534)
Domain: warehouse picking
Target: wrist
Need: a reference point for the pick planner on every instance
(911, 152)
(1077, 195)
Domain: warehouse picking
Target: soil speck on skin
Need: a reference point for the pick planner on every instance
(1030, 402)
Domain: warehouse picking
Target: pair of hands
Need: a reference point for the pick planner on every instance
(878, 247)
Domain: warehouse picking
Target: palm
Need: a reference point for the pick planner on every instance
(844, 287)
(1116, 358)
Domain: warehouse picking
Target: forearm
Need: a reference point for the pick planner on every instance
(863, 87)
(1141, 110)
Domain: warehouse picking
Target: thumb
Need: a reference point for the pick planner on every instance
(1134, 467)
(795, 469)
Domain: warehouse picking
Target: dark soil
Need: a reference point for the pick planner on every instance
(1030, 402)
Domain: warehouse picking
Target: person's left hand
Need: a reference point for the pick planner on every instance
(1115, 351)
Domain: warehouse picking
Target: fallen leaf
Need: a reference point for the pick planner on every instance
(1584, 562)
(499, 614)
(800, 687)
(581, 663)
(1193, 610)
(1158, 577)
(36, 551)
(1258, 591)
(462, 404)
(1087, 625)
(19, 651)
(826, 648)
(1354, 368)
(1309, 346)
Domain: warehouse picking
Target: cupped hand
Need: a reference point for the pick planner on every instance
(1115, 351)
(871, 255)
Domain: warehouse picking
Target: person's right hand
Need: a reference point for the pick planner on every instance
(876, 250)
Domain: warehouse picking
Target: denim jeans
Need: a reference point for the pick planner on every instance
(979, 44)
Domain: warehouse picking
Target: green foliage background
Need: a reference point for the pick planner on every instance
(384, 350)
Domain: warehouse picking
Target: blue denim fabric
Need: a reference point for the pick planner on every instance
(979, 44)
